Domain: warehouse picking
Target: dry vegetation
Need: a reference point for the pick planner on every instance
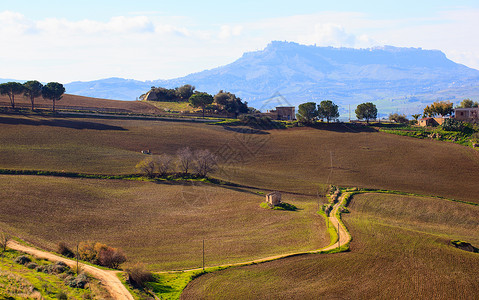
(400, 249)
(161, 225)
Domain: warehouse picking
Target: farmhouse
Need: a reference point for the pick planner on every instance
(285, 113)
(431, 121)
(273, 199)
(467, 114)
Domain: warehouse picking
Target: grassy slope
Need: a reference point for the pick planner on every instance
(295, 160)
(20, 282)
(161, 225)
(399, 250)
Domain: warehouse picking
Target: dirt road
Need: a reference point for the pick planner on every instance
(108, 278)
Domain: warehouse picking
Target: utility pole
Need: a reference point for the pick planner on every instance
(78, 270)
(349, 113)
(203, 254)
(339, 240)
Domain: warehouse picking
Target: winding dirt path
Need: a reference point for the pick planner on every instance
(107, 277)
(344, 238)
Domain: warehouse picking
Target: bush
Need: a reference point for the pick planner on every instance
(451, 124)
(32, 265)
(79, 281)
(23, 260)
(138, 276)
(101, 254)
(111, 257)
(64, 250)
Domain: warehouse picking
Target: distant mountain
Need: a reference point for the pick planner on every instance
(396, 79)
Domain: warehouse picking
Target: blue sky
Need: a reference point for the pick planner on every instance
(84, 40)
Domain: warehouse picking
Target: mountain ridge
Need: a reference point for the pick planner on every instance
(395, 78)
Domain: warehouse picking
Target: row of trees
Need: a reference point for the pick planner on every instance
(309, 112)
(199, 162)
(33, 89)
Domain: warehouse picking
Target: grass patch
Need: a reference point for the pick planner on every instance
(281, 206)
(18, 281)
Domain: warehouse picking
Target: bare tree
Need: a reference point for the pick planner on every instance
(4, 238)
(205, 162)
(163, 164)
(185, 159)
(147, 167)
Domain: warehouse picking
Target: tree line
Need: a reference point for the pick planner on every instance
(31, 90)
(310, 112)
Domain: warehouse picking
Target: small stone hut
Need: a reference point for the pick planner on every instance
(273, 199)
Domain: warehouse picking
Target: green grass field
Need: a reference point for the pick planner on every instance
(161, 225)
(400, 249)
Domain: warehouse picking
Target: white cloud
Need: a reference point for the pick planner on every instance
(155, 46)
(228, 31)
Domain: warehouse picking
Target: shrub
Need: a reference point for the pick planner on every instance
(64, 250)
(111, 257)
(79, 281)
(101, 254)
(23, 260)
(451, 124)
(32, 265)
(138, 276)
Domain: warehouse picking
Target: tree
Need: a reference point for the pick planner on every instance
(53, 91)
(11, 89)
(307, 112)
(147, 167)
(231, 103)
(32, 89)
(366, 111)
(185, 92)
(4, 238)
(201, 100)
(163, 164)
(185, 158)
(468, 103)
(442, 108)
(327, 109)
(205, 162)
(416, 116)
(398, 118)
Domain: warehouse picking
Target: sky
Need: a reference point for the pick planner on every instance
(86, 40)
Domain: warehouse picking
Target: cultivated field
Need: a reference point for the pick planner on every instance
(301, 160)
(74, 102)
(161, 225)
(400, 249)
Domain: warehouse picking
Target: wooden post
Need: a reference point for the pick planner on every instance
(203, 254)
(78, 270)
